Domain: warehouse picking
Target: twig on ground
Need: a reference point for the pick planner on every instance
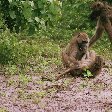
(62, 74)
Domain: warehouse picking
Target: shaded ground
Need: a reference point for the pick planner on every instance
(66, 95)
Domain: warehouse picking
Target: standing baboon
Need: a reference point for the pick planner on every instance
(76, 57)
(101, 12)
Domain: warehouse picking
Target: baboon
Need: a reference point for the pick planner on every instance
(102, 12)
(76, 57)
(75, 50)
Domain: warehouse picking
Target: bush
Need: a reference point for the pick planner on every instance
(12, 50)
(20, 55)
(29, 15)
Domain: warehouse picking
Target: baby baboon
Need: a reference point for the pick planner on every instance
(76, 57)
(92, 62)
(101, 12)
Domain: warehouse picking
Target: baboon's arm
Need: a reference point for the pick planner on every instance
(108, 28)
(98, 34)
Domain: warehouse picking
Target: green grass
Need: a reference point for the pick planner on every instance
(31, 55)
(103, 47)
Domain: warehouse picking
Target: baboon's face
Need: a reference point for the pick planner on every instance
(82, 41)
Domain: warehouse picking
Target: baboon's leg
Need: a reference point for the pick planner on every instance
(98, 34)
(68, 61)
(97, 66)
(65, 59)
(108, 28)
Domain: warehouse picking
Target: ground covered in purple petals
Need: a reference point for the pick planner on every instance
(66, 95)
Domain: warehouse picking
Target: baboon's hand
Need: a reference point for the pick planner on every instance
(75, 66)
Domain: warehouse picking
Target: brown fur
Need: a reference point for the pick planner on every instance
(102, 12)
(76, 60)
(73, 53)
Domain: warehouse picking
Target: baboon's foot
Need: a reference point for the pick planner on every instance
(98, 62)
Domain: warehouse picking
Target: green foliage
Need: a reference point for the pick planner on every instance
(24, 79)
(6, 47)
(87, 73)
(104, 47)
(12, 50)
(29, 15)
(75, 15)
(20, 55)
(48, 19)
(75, 18)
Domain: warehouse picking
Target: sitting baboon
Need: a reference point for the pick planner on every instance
(75, 50)
(76, 57)
(101, 12)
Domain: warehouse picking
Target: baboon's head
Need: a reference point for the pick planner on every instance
(96, 9)
(96, 6)
(82, 41)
